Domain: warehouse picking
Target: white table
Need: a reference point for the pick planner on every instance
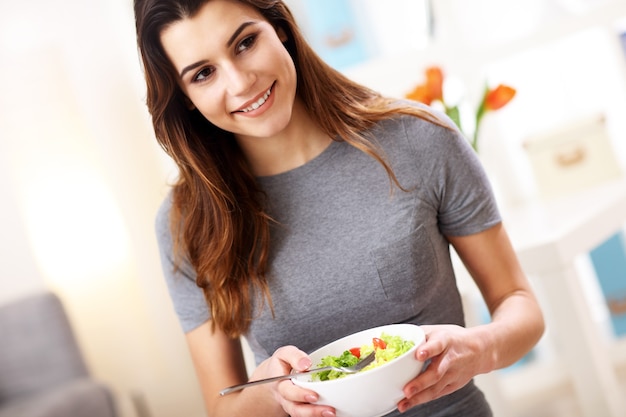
(548, 237)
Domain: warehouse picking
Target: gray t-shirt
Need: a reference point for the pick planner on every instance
(348, 253)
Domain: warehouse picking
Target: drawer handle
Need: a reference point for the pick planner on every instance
(617, 306)
(571, 157)
(338, 40)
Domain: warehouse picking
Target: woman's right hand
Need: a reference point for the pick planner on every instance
(219, 363)
(295, 401)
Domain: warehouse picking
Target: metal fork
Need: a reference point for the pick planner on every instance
(345, 369)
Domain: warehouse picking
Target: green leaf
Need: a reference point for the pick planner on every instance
(454, 114)
(346, 359)
(482, 109)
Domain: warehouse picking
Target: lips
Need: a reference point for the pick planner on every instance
(254, 105)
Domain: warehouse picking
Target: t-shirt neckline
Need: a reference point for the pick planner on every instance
(305, 169)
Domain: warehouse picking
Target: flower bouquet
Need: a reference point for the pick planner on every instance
(431, 91)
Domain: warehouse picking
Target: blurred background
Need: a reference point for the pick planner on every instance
(81, 175)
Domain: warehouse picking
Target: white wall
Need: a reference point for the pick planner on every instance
(81, 180)
(19, 275)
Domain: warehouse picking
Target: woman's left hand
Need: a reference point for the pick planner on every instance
(456, 355)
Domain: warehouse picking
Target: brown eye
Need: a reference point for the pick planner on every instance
(246, 43)
(203, 74)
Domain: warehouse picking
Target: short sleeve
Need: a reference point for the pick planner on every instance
(187, 298)
(458, 186)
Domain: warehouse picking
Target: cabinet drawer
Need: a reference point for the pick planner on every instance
(573, 157)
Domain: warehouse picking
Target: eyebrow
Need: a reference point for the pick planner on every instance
(230, 41)
(237, 32)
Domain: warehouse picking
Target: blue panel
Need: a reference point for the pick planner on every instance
(334, 32)
(609, 262)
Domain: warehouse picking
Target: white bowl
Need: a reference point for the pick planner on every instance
(374, 392)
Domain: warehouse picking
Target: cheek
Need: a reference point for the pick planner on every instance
(219, 120)
(217, 116)
(209, 106)
(289, 65)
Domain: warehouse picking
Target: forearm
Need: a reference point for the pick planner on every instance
(516, 326)
(516, 318)
(458, 354)
(218, 371)
(219, 363)
(255, 401)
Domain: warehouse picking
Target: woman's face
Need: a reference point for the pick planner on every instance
(233, 68)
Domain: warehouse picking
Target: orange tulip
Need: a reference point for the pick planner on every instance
(434, 83)
(492, 100)
(499, 97)
(421, 94)
(431, 89)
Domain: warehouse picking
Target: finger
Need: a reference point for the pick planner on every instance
(441, 389)
(301, 402)
(291, 392)
(309, 410)
(294, 357)
(433, 346)
(430, 394)
(431, 376)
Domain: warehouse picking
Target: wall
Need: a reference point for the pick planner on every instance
(81, 180)
(19, 273)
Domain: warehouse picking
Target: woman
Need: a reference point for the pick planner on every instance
(296, 182)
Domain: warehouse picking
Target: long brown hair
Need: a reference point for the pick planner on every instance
(218, 220)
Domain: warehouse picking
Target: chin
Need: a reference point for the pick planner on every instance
(269, 128)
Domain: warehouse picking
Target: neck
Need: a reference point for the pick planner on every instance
(296, 145)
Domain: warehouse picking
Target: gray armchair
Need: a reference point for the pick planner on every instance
(42, 371)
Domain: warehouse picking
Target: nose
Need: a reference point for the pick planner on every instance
(239, 80)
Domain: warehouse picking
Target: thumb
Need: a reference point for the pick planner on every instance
(430, 347)
(293, 357)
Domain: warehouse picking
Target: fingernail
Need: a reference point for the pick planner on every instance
(328, 413)
(304, 363)
(310, 398)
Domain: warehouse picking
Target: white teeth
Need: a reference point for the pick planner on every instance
(259, 103)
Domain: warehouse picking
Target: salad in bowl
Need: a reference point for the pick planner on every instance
(377, 389)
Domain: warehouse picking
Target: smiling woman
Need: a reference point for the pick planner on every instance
(295, 180)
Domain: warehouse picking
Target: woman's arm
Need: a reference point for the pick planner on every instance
(219, 363)
(517, 321)
(458, 354)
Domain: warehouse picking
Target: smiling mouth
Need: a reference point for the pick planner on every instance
(261, 101)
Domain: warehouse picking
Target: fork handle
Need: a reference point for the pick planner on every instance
(239, 387)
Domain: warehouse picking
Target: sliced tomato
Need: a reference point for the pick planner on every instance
(379, 343)
(356, 351)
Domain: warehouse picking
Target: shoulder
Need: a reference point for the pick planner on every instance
(423, 129)
(162, 224)
(163, 213)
